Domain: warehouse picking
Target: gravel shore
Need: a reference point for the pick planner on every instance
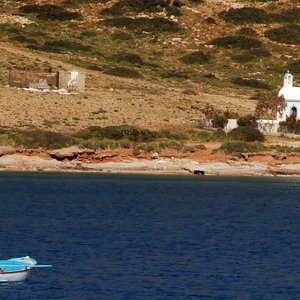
(179, 166)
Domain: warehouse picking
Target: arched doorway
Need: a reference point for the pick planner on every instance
(294, 111)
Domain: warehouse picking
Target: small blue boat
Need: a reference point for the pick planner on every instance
(18, 269)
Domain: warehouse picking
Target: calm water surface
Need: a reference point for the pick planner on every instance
(152, 237)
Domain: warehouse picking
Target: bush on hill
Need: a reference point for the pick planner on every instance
(246, 134)
(252, 83)
(175, 74)
(49, 12)
(288, 34)
(291, 15)
(144, 24)
(245, 15)
(238, 147)
(33, 139)
(248, 120)
(131, 58)
(197, 57)
(60, 46)
(294, 67)
(138, 6)
(132, 133)
(237, 41)
(218, 119)
(290, 125)
(123, 72)
(247, 31)
(121, 36)
(76, 3)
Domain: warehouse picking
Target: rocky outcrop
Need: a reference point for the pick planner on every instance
(6, 150)
(70, 153)
(284, 169)
(11, 19)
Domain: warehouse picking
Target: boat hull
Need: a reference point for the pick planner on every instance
(14, 276)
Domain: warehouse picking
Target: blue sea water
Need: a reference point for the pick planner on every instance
(152, 237)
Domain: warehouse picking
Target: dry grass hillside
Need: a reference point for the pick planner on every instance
(153, 64)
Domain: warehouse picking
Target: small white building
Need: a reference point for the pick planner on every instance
(291, 95)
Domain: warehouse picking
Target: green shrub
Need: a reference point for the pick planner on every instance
(283, 149)
(210, 21)
(175, 74)
(144, 24)
(251, 54)
(198, 57)
(131, 133)
(172, 145)
(121, 36)
(49, 12)
(291, 15)
(42, 139)
(259, 52)
(152, 147)
(219, 121)
(200, 147)
(63, 45)
(248, 120)
(168, 134)
(204, 136)
(246, 133)
(245, 15)
(243, 58)
(288, 34)
(290, 125)
(138, 6)
(253, 83)
(23, 39)
(219, 134)
(125, 144)
(294, 67)
(89, 34)
(237, 41)
(76, 3)
(238, 147)
(128, 57)
(247, 31)
(123, 72)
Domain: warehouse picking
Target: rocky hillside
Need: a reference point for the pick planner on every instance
(229, 47)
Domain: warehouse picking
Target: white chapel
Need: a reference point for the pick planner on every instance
(291, 95)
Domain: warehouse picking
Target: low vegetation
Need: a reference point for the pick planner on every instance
(49, 12)
(251, 83)
(166, 40)
(123, 72)
(236, 41)
(142, 24)
(128, 7)
(196, 58)
(245, 15)
(246, 134)
(238, 147)
(288, 34)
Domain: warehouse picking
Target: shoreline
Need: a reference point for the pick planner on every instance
(68, 162)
